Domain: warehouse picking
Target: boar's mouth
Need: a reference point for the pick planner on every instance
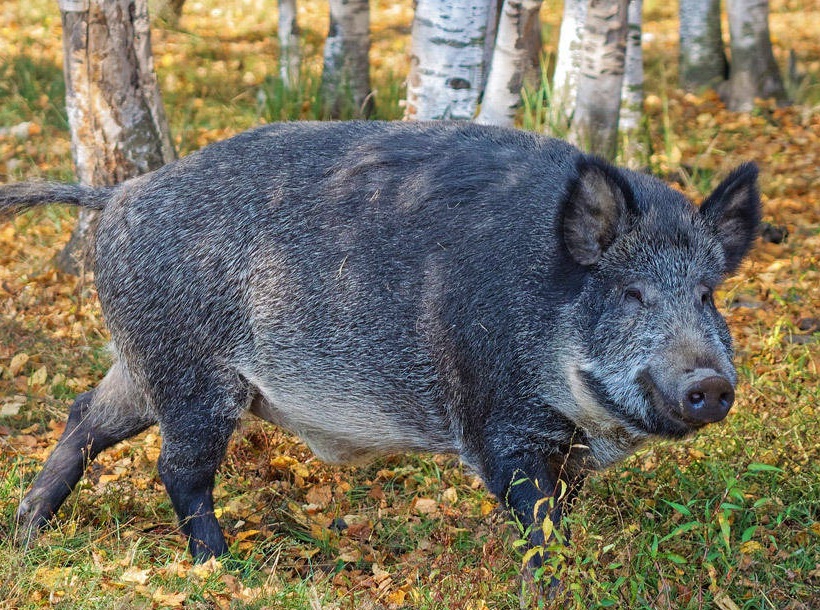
(673, 422)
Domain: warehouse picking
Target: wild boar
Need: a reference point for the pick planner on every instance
(391, 287)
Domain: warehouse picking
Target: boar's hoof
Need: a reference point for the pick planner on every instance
(707, 398)
(32, 516)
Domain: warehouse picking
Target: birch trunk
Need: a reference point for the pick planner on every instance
(493, 16)
(510, 62)
(632, 92)
(702, 60)
(595, 122)
(754, 72)
(289, 54)
(115, 113)
(346, 71)
(568, 64)
(446, 59)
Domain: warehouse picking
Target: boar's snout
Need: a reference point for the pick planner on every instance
(706, 397)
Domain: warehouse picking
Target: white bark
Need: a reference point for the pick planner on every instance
(632, 92)
(568, 62)
(446, 59)
(510, 62)
(702, 61)
(115, 113)
(595, 122)
(754, 72)
(346, 71)
(289, 54)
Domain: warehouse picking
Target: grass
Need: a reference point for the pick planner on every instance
(727, 519)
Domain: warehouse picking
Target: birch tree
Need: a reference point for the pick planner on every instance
(510, 62)
(702, 60)
(115, 113)
(289, 54)
(595, 121)
(446, 59)
(753, 72)
(632, 91)
(346, 71)
(568, 63)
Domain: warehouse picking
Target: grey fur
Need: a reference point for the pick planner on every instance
(381, 288)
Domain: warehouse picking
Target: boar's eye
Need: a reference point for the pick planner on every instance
(705, 296)
(634, 294)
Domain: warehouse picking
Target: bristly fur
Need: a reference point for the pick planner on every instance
(18, 197)
(387, 287)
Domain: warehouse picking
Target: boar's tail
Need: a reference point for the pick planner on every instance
(20, 196)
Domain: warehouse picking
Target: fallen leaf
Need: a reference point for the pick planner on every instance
(170, 599)
(39, 377)
(425, 506)
(724, 602)
(135, 575)
(17, 363)
(319, 495)
(12, 405)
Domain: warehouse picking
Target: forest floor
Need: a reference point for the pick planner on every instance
(727, 519)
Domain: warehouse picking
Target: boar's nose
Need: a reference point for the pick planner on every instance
(707, 396)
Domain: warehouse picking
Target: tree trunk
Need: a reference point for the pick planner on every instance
(595, 122)
(346, 71)
(168, 11)
(632, 92)
(289, 54)
(115, 113)
(493, 17)
(568, 64)
(754, 72)
(510, 62)
(446, 59)
(702, 60)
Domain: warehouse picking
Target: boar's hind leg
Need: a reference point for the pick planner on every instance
(195, 432)
(112, 412)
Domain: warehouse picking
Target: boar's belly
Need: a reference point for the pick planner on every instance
(351, 427)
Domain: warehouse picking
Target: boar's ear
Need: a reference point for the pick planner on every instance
(595, 211)
(733, 210)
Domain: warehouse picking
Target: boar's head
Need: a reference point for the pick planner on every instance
(653, 353)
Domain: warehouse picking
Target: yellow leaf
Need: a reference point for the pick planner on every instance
(486, 507)
(135, 575)
(17, 363)
(724, 602)
(53, 577)
(281, 462)
(300, 470)
(547, 527)
(525, 560)
(39, 377)
(163, 598)
(203, 570)
(396, 598)
(750, 546)
(246, 534)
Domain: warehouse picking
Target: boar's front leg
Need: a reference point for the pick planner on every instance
(535, 486)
